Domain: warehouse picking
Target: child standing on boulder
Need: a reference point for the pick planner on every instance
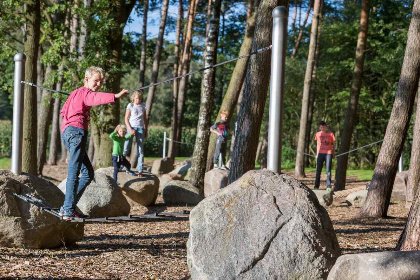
(325, 148)
(119, 137)
(136, 122)
(221, 129)
(74, 127)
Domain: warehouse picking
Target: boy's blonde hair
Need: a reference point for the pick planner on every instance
(121, 126)
(137, 93)
(92, 70)
(224, 112)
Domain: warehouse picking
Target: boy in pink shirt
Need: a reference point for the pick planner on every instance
(325, 149)
(76, 116)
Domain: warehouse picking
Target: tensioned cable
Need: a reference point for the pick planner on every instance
(44, 88)
(171, 79)
(169, 139)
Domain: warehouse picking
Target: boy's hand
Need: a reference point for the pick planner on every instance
(121, 93)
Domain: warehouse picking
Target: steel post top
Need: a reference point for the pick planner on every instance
(20, 57)
(280, 12)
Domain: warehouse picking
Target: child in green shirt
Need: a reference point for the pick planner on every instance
(118, 159)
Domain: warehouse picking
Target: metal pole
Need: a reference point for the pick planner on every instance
(278, 58)
(164, 144)
(400, 164)
(16, 166)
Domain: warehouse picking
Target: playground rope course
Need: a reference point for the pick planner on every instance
(171, 79)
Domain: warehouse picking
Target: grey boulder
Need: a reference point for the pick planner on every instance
(400, 265)
(25, 225)
(180, 193)
(263, 226)
(162, 166)
(215, 180)
(325, 198)
(357, 198)
(101, 198)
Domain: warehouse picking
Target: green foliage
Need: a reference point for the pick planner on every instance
(5, 138)
(153, 145)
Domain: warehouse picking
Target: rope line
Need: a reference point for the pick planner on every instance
(339, 155)
(205, 68)
(44, 88)
(169, 139)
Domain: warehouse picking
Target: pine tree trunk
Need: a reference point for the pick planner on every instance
(55, 132)
(156, 61)
(300, 35)
(235, 85)
(29, 146)
(410, 237)
(109, 116)
(300, 157)
(414, 174)
(39, 79)
(198, 163)
(185, 67)
(44, 123)
(91, 149)
(83, 31)
(377, 201)
(143, 44)
(351, 113)
(255, 94)
(64, 153)
(171, 146)
(264, 149)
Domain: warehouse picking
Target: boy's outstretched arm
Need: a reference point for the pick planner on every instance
(121, 93)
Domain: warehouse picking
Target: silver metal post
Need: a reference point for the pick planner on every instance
(16, 166)
(400, 164)
(164, 144)
(278, 59)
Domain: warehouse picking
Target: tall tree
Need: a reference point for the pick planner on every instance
(55, 128)
(198, 163)
(143, 43)
(414, 174)
(238, 76)
(300, 156)
(171, 147)
(29, 147)
(300, 35)
(255, 93)
(118, 12)
(83, 29)
(377, 201)
(156, 61)
(356, 85)
(185, 66)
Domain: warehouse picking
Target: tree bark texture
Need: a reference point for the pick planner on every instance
(377, 201)
(235, 85)
(414, 174)
(185, 67)
(198, 163)
(171, 146)
(29, 146)
(109, 114)
(300, 157)
(44, 122)
(156, 60)
(83, 31)
(143, 44)
(39, 78)
(410, 238)
(351, 113)
(55, 132)
(255, 94)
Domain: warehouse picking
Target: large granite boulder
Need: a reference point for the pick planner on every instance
(181, 169)
(399, 190)
(101, 198)
(357, 198)
(400, 265)
(25, 225)
(162, 166)
(325, 197)
(180, 193)
(137, 191)
(263, 226)
(166, 178)
(215, 180)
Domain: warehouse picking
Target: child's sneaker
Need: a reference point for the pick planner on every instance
(118, 183)
(224, 167)
(140, 175)
(328, 189)
(215, 166)
(130, 172)
(69, 216)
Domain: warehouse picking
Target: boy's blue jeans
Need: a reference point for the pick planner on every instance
(140, 142)
(75, 139)
(327, 158)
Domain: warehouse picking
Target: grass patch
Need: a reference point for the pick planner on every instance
(5, 163)
(361, 174)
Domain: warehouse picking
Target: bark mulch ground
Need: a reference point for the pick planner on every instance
(157, 250)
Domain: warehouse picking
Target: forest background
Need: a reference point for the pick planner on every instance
(60, 62)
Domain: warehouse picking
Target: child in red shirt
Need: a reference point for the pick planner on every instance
(76, 116)
(325, 149)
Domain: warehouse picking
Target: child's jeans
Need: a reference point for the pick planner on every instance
(327, 158)
(117, 161)
(139, 140)
(75, 139)
(220, 149)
